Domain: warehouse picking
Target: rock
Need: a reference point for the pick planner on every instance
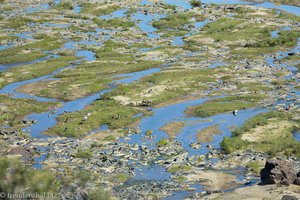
(278, 171)
(28, 122)
(197, 161)
(26, 154)
(291, 53)
(297, 181)
(195, 145)
(81, 195)
(289, 197)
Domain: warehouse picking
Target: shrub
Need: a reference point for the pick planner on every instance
(84, 176)
(64, 5)
(195, 3)
(99, 195)
(230, 145)
(81, 153)
(15, 177)
(179, 168)
(162, 142)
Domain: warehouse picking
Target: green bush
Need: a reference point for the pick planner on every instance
(285, 39)
(17, 22)
(17, 178)
(82, 153)
(162, 142)
(230, 145)
(179, 168)
(173, 21)
(195, 3)
(99, 195)
(84, 176)
(65, 6)
(287, 146)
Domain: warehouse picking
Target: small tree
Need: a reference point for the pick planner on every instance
(195, 3)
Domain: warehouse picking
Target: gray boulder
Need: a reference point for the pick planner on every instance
(278, 171)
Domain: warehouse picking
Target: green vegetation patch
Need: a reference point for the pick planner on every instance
(195, 3)
(162, 142)
(255, 166)
(99, 194)
(226, 29)
(289, 16)
(64, 5)
(101, 112)
(7, 38)
(120, 178)
(110, 52)
(259, 120)
(30, 51)
(26, 72)
(85, 79)
(17, 177)
(166, 85)
(98, 9)
(179, 168)
(269, 132)
(174, 21)
(13, 110)
(286, 39)
(287, 2)
(84, 153)
(226, 104)
(17, 22)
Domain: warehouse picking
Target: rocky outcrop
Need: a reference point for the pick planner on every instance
(26, 154)
(278, 171)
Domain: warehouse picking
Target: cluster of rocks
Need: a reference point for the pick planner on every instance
(280, 171)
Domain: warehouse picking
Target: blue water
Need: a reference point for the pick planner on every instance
(77, 9)
(186, 5)
(57, 2)
(130, 77)
(144, 22)
(297, 136)
(216, 64)
(275, 34)
(146, 2)
(48, 119)
(88, 55)
(225, 122)
(37, 9)
(175, 112)
(115, 14)
(201, 24)
(54, 25)
(4, 67)
(24, 35)
(11, 88)
(178, 41)
(5, 47)
(151, 173)
(37, 161)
